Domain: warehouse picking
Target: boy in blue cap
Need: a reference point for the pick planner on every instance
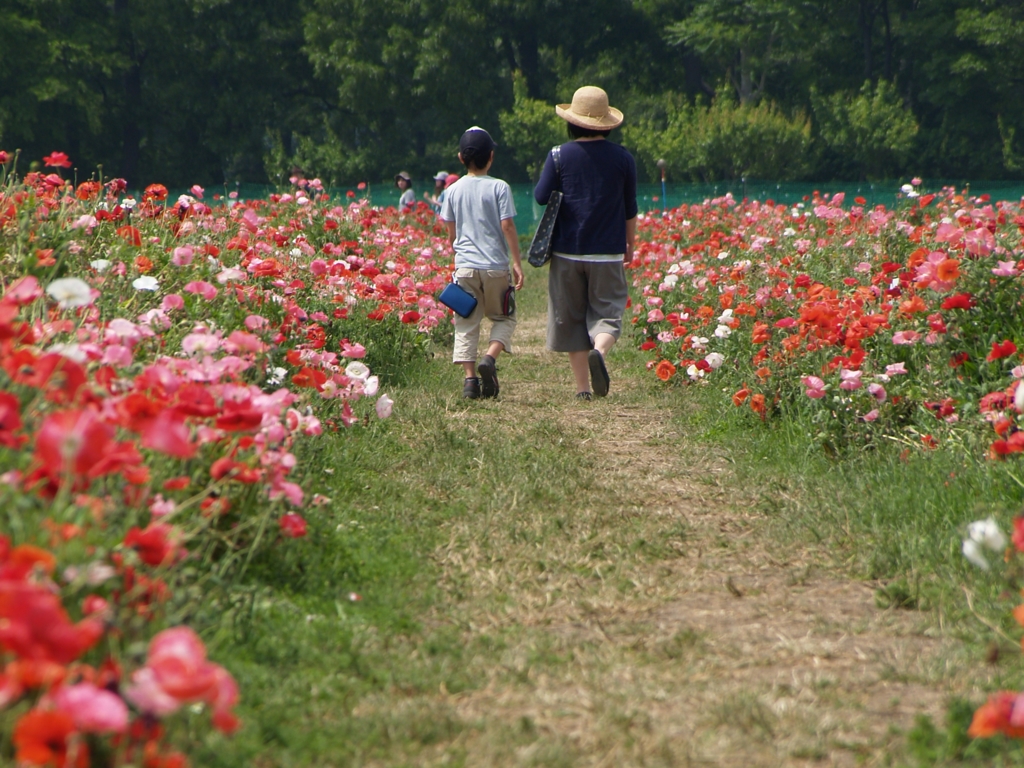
(479, 214)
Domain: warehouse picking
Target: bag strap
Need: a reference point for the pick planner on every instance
(556, 155)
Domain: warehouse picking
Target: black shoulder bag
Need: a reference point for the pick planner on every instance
(540, 247)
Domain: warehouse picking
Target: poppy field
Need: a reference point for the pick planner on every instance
(163, 361)
(174, 370)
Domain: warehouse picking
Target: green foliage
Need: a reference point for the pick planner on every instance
(750, 38)
(872, 128)
(530, 128)
(725, 141)
(219, 91)
(395, 351)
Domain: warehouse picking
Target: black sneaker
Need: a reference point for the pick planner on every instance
(585, 396)
(599, 380)
(488, 377)
(471, 388)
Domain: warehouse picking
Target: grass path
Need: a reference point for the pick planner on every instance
(609, 597)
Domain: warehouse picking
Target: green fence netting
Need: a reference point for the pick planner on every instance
(651, 198)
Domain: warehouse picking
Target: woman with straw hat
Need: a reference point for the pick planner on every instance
(592, 240)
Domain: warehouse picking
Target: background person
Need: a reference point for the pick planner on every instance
(479, 214)
(434, 198)
(408, 199)
(592, 239)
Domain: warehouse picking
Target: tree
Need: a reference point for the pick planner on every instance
(749, 38)
(725, 140)
(530, 128)
(872, 127)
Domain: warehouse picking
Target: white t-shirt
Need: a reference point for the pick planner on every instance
(407, 201)
(478, 205)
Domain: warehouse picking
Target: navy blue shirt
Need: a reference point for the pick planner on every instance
(598, 181)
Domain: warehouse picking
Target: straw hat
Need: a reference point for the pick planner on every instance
(589, 109)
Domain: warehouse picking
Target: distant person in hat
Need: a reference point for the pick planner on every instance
(480, 217)
(592, 240)
(450, 179)
(408, 199)
(434, 198)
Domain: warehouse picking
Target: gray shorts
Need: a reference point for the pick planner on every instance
(585, 298)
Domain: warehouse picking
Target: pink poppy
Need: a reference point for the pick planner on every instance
(815, 387)
(202, 288)
(92, 709)
(171, 301)
(979, 242)
(906, 338)
(849, 380)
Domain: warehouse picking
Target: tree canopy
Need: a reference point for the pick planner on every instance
(219, 91)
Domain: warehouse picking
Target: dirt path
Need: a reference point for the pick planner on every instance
(654, 625)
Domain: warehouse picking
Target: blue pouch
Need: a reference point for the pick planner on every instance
(457, 299)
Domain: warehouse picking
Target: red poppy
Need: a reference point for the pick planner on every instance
(293, 525)
(269, 268)
(73, 442)
(35, 626)
(1018, 533)
(59, 377)
(959, 301)
(23, 560)
(41, 738)
(948, 270)
(10, 421)
(740, 397)
(993, 717)
(1001, 349)
(56, 160)
(168, 434)
(665, 370)
(177, 483)
(130, 234)
(88, 190)
(195, 400)
(157, 544)
(757, 405)
(310, 377)
(155, 192)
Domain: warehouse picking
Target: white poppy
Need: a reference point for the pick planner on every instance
(987, 532)
(145, 283)
(71, 352)
(358, 371)
(973, 552)
(70, 292)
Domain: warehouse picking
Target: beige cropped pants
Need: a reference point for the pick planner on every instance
(488, 287)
